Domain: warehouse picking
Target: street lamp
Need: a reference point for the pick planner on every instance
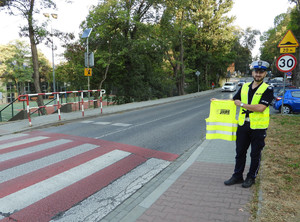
(54, 16)
(85, 35)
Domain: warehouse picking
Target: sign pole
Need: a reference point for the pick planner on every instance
(88, 63)
(198, 74)
(287, 62)
(283, 92)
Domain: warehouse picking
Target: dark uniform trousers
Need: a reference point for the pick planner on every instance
(246, 137)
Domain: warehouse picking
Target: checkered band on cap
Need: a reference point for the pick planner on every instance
(259, 65)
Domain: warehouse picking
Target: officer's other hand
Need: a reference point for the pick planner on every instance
(237, 102)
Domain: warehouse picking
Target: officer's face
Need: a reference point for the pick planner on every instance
(259, 75)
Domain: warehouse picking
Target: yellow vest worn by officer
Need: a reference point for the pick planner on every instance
(221, 123)
(258, 120)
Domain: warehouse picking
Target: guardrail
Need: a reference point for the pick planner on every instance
(27, 97)
(10, 105)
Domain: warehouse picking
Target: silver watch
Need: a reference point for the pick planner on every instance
(242, 104)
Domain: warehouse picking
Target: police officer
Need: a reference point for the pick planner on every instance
(253, 99)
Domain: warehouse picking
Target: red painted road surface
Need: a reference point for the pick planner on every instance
(63, 199)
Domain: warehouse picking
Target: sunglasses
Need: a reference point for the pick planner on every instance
(259, 71)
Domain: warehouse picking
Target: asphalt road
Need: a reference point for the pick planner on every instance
(173, 127)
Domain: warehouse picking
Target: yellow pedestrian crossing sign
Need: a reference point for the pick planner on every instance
(88, 72)
(288, 40)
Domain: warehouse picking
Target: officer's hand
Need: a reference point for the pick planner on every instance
(237, 102)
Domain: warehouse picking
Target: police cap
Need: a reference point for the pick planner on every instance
(260, 65)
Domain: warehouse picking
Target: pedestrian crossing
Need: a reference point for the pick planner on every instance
(106, 123)
(49, 176)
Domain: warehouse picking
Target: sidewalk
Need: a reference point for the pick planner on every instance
(194, 192)
(197, 192)
(190, 189)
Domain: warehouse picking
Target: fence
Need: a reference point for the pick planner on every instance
(9, 110)
(59, 103)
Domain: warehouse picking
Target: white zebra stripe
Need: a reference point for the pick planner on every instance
(27, 196)
(121, 124)
(102, 123)
(87, 121)
(20, 170)
(22, 142)
(12, 136)
(101, 203)
(32, 149)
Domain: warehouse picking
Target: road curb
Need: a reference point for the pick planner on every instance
(52, 120)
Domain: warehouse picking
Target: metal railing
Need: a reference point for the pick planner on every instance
(59, 103)
(6, 109)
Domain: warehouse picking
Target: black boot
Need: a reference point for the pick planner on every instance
(233, 180)
(248, 182)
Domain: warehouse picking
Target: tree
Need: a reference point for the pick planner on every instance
(145, 49)
(16, 65)
(243, 44)
(36, 33)
(173, 24)
(242, 55)
(297, 2)
(197, 36)
(249, 36)
(126, 53)
(271, 38)
(71, 71)
(19, 66)
(295, 27)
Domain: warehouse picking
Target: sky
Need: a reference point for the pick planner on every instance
(257, 14)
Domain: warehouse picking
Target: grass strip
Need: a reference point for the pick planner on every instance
(277, 191)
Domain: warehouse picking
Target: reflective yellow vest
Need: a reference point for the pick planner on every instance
(258, 120)
(221, 123)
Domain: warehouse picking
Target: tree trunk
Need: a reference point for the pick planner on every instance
(22, 88)
(36, 74)
(107, 67)
(182, 75)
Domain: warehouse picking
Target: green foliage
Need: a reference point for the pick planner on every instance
(16, 66)
(272, 37)
(152, 48)
(32, 30)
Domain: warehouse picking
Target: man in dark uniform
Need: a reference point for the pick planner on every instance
(253, 99)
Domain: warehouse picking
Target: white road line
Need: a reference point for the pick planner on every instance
(149, 122)
(23, 198)
(87, 121)
(32, 149)
(102, 123)
(29, 167)
(121, 124)
(104, 201)
(12, 136)
(16, 143)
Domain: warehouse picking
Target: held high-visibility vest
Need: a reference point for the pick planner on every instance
(221, 123)
(258, 120)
